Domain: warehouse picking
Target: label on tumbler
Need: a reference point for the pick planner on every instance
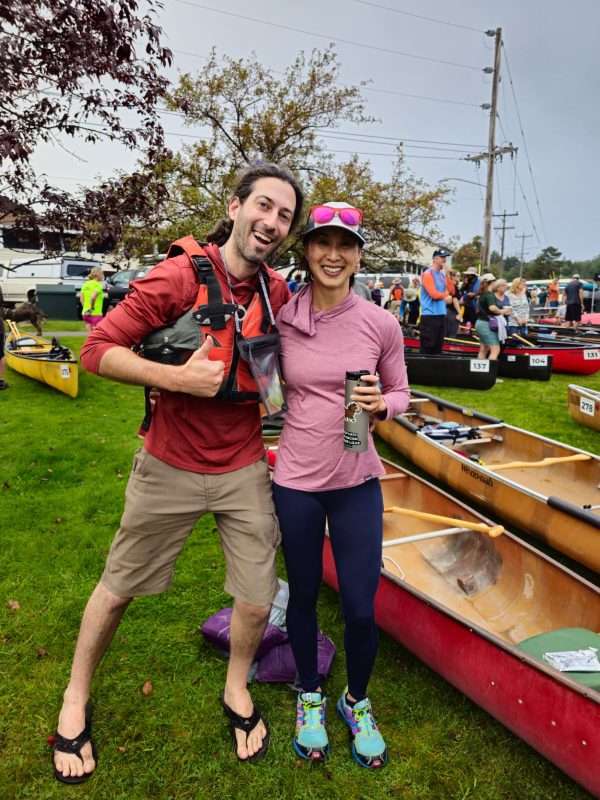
(356, 421)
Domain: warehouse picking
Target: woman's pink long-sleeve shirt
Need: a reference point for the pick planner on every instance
(317, 348)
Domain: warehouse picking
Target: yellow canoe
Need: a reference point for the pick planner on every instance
(44, 361)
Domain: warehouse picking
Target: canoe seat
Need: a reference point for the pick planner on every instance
(564, 639)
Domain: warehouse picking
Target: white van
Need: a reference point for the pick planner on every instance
(27, 274)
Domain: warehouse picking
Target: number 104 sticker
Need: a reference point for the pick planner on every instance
(538, 361)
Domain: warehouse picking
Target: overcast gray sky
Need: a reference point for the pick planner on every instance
(552, 50)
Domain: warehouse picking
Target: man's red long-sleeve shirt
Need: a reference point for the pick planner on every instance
(192, 433)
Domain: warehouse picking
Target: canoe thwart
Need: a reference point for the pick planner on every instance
(481, 527)
(545, 462)
(422, 537)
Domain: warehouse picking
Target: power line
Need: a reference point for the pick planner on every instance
(514, 94)
(409, 155)
(520, 185)
(362, 45)
(374, 138)
(374, 89)
(418, 16)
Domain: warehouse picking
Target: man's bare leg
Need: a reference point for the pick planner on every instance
(101, 618)
(247, 626)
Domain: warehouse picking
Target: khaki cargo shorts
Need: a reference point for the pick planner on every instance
(162, 505)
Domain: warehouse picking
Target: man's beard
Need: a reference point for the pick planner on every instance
(246, 251)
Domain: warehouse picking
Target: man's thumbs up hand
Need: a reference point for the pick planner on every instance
(199, 375)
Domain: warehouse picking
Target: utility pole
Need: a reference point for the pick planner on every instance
(504, 227)
(522, 237)
(493, 152)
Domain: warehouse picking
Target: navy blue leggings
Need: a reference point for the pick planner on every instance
(354, 518)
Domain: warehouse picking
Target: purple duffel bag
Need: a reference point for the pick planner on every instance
(216, 631)
(279, 666)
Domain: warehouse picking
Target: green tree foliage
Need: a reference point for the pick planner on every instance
(546, 265)
(468, 255)
(244, 112)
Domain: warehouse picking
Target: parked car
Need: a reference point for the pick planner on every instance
(118, 286)
(26, 274)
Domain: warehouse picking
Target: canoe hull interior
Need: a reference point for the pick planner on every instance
(519, 495)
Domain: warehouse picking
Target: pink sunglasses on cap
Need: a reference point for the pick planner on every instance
(321, 215)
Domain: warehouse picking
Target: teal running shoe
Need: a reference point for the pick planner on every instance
(368, 746)
(310, 741)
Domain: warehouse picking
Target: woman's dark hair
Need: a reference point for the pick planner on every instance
(244, 187)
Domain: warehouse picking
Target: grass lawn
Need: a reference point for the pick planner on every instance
(64, 468)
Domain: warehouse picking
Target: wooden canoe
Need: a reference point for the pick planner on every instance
(584, 405)
(44, 361)
(539, 485)
(481, 612)
(450, 370)
(474, 609)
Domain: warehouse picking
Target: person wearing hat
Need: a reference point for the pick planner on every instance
(434, 293)
(573, 301)
(327, 330)
(469, 292)
(489, 311)
(397, 302)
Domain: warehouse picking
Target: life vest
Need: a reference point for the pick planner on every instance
(227, 323)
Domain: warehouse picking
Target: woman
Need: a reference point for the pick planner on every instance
(452, 305)
(325, 331)
(92, 299)
(517, 296)
(489, 310)
(413, 302)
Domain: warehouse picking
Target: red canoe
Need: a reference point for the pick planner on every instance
(576, 360)
(481, 612)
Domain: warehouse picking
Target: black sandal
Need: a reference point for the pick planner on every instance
(73, 746)
(247, 725)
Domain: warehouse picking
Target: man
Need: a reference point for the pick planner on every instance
(377, 294)
(573, 301)
(397, 303)
(202, 453)
(295, 284)
(433, 304)
(360, 288)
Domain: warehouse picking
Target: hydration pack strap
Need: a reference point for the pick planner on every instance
(215, 312)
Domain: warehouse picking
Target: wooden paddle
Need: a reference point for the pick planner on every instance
(523, 339)
(545, 462)
(480, 527)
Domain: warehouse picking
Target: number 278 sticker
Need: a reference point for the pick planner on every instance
(586, 406)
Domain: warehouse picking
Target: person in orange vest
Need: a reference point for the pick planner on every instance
(553, 293)
(433, 304)
(397, 299)
(203, 451)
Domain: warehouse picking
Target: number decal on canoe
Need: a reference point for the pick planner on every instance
(479, 365)
(65, 372)
(586, 406)
(538, 361)
(591, 355)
